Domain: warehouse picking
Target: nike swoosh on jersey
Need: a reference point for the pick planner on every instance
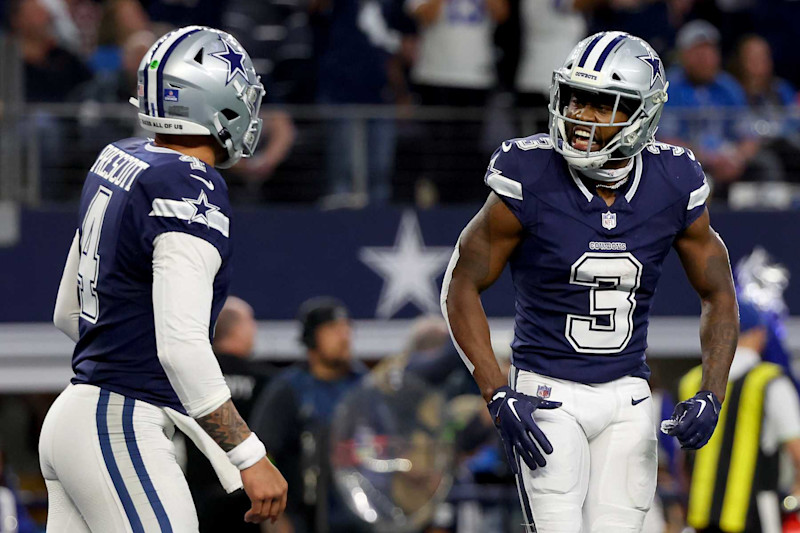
(206, 182)
(640, 400)
(507, 146)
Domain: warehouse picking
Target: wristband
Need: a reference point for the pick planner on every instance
(250, 451)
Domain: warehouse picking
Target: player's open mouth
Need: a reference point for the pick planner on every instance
(580, 140)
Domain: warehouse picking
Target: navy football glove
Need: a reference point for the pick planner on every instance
(693, 421)
(512, 413)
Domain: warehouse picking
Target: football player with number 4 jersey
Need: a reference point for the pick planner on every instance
(145, 279)
(585, 216)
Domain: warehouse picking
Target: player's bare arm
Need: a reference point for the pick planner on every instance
(483, 251)
(705, 260)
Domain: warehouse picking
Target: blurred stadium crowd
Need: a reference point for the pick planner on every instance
(387, 101)
(404, 100)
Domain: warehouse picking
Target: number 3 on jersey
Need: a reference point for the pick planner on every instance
(89, 266)
(613, 279)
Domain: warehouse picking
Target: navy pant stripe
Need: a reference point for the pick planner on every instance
(138, 465)
(111, 463)
(530, 525)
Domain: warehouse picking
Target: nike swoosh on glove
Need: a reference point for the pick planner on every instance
(512, 413)
(693, 421)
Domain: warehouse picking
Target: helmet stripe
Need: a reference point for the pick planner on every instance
(607, 51)
(160, 72)
(149, 105)
(152, 68)
(589, 48)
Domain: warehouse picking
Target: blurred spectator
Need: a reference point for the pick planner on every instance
(118, 85)
(276, 143)
(14, 517)
(293, 417)
(234, 338)
(179, 13)
(707, 110)
(761, 416)
(549, 32)
(455, 61)
(110, 87)
(51, 72)
(455, 66)
(65, 29)
(120, 20)
(655, 21)
(279, 39)
(667, 513)
(431, 356)
(769, 98)
(355, 46)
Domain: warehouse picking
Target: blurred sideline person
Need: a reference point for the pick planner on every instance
(707, 111)
(14, 517)
(145, 279)
(294, 415)
(735, 479)
(234, 339)
(585, 217)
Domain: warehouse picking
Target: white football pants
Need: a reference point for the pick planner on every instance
(601, 476)
(110, 466)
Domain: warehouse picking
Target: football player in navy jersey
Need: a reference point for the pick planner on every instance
(585, 216)
(145, 279)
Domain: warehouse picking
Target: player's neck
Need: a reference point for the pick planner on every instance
(191, 145)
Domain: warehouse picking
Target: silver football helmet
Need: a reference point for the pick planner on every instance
(625, 69)
(200, 81)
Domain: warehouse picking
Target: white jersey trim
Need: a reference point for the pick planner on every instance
(501, 184)
(186, 210)
(637, 177)
(448, 276)
(699, 196)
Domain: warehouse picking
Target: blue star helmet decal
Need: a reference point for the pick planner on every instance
(655, 67)
(233, 59)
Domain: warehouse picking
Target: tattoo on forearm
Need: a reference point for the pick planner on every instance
(225, 426)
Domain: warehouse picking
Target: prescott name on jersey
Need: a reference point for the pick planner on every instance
(134, 192)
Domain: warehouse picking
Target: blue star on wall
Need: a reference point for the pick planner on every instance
(202, 208)
(655, 67)
(233, 59)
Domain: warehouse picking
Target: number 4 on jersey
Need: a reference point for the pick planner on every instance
(89, 266)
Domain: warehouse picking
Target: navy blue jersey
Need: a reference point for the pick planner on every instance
(585, 273)
(134, 192)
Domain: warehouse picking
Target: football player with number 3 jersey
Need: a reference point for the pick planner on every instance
(145, 279)
(585, 216)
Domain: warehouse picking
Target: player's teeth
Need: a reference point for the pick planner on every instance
(583, 134)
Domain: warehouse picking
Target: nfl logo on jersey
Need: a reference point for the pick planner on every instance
(609, 220)
(543, 392)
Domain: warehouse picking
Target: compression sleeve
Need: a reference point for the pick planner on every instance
(68, 308)
(184, 268)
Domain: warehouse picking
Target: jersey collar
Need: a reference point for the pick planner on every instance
(632, 187)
